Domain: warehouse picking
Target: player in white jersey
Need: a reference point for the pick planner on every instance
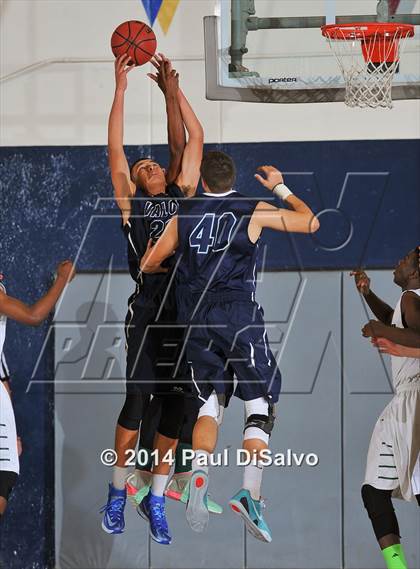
(33, 315)
(393, 461)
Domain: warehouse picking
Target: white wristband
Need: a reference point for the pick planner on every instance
(282, 191)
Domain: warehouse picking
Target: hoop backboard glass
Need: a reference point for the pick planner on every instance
(294, 64)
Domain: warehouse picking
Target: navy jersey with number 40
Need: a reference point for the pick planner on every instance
(217, 273)
(217, 254)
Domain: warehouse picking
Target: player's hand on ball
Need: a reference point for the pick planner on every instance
(362, 281)
(123, 65)
(271, 176)
(66, 271)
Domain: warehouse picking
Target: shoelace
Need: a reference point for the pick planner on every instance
(114, 509)
(158, 512)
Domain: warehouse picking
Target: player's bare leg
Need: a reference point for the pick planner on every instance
(205, 434)
(125, 440)
(165, 450)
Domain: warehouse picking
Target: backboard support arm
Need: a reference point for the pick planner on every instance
(216, 91)
(244, 21)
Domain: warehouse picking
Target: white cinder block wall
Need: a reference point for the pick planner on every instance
(68, 103)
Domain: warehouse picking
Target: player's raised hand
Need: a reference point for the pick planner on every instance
(362, 281)
(66, 271)
(166, 77)
(270, 178)
(159, 60)
(373, 329)
(123, 65)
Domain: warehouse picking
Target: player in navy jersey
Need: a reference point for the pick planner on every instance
(216, 236)
(147, 196)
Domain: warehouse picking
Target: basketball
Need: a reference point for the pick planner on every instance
(136, 39)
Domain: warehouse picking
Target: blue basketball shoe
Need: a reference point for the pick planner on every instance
(250, 511)
(113, 520)
(152, 509)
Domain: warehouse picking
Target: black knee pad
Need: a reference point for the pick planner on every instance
(418, 499)
(381, 512)
(132, 411)
(172, 415)
(263, 422)
(7, 481)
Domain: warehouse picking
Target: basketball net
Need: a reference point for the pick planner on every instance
(368, 56)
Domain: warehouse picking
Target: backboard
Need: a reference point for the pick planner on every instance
(273, 50)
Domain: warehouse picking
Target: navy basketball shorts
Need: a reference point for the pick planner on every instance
(227, 331)
(154, 343)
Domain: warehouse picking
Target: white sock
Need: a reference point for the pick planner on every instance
(119, 476)
(199, 463)
(252, 480)
(159, 484)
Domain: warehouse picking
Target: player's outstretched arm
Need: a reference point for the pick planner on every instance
(35, 314)
(387, 347)
(301, 219)
(193, 154)
(118, 165)
(168, 81)
(380, 309)
(164, 247)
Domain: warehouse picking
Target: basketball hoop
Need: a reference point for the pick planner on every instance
(369, 68)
